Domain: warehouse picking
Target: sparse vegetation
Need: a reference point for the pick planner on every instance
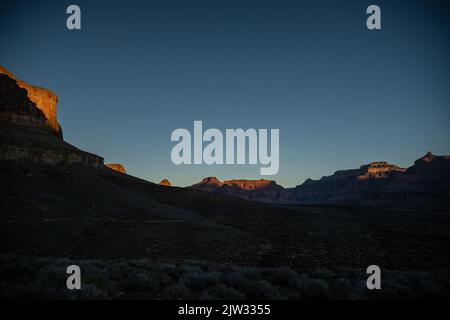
(45, 278)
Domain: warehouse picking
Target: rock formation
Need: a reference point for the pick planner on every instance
(116, 167)
(431, 173)
(377, 181)
(258, 190)
(44, 99)
(379, 170)
(208, 184)
(29, 129)
(213, 182)
(346, 185)
(165, 182)
(250, 184)
(429, 176)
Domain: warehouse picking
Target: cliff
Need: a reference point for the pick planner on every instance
(251, 184)
(343, 185)
(378, 170)
(258, 190)
(29, 129)
(208, 184)
(347, 185)
(165, 183)
(428, 177)
(116, 167)
(44, 99)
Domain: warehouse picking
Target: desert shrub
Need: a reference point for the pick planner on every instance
(283, 277)
(252, 273)
(16, 269)
(103, 282)
(50, 282)
(118, 270)
(233, 279)
(176, 291)
(222, 292)
(414, 285)
(431, 286)
(200, 281)
(91, 292)
(139, 281)
(188, 269)
(349, 289)
(322, 274)
(259, 289)
(312, 289)
(45, 278)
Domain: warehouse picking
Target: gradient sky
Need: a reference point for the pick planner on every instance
(341, 95)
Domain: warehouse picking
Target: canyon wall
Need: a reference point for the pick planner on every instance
(165, 183)
(116, 167)
(44, 99)
(29, 129)
(258, 190)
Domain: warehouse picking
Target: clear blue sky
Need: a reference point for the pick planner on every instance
(341, 95)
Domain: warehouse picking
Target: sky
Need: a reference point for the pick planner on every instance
(340, 94)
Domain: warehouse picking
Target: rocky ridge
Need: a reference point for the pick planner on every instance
(376, 181)
(165, 182)
(116, 167)
(29, 129)
(258, 190)
(44, 99)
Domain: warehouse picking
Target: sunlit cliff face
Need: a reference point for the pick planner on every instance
(44, 99)
(377, 170)
(243, 184)
(249, 184)
(116, 167)
(165, 183)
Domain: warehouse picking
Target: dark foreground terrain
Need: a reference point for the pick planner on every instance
(45, 278)
(135, 239)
